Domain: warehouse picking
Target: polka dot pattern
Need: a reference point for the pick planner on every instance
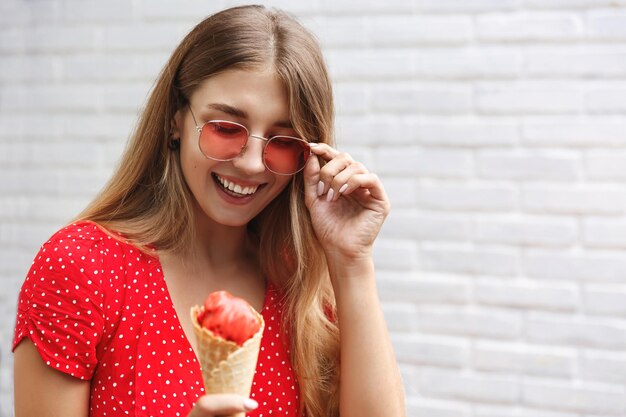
(98, 309)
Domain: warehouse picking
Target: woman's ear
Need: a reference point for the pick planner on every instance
(176, 125)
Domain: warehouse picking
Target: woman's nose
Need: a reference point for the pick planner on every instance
(250, 160)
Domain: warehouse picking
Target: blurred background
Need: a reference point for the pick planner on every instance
(497, 126)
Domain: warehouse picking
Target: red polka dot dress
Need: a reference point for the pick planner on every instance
(98, 309)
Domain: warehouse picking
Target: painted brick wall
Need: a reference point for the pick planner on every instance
(498, 127)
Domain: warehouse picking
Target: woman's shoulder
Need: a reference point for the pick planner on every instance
(87, 237)
(83, 232)
(86, 251)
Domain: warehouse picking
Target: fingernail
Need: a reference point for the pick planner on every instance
(320, 188)
(330, 194)
(313, 144)
(250, 404)
(343, 188)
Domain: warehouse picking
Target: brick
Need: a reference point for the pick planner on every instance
(55, 155)
(426, 407)
(111, 154)
(99, 126)
(369, 64)
(153, 37)
(432, 99)
(525, 360)
(474, 133)
(351, 99)
(564, 330)
(490, 323)
(124, 97)
(533, 296)
(395, 254)
(573, 131)
(359, 153)
(481, 410)
(607, 25)
(45, 12)
(521, 165)
(13, 13)
(528, 97)
(597, 199)
(607, 99)
(408, 373)
(604, 232)
(15, 261)
(338, 31)
(79, 12)
(572, 4)
(568, 397)
(416, 29)
(466, 197)
(400, 317)
(577, 61)
(38, 68)
(474, 388)
(383, 130)
(29, 182)
(26, 236)
(51, 97)
(187, 11)
(401, 192)
(142, 66)
(82, 184)
(607, 300)
(12, 40)
(455, 259)
(39, 209)
(475, 6)
(597, 266)
(527, 231)
(438, 163)
(409, 287)
(417, 350)
(468, 63)
(603, 366)
(524, 26)
(606, 165)
(60, 38)
(369, 7)
(437, 227)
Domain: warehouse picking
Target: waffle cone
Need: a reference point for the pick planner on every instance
(226, 366)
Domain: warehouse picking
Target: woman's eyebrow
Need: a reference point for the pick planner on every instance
(234, 111)
(225, 108)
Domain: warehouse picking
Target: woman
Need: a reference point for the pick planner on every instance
(230, 182)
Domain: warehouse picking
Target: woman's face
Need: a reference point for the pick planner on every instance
(257, 100)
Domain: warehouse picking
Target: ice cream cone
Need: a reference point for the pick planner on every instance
(226, 366)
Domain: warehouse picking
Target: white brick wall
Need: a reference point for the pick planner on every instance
(498, 126)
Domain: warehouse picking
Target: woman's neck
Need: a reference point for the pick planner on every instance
(218, 245)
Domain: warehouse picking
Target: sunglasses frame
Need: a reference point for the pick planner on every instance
(248, 136)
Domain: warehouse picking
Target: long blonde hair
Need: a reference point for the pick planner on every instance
(148, 201)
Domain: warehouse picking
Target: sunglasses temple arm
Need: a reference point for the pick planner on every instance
(198, 128)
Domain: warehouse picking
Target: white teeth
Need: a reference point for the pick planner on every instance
(236, 188)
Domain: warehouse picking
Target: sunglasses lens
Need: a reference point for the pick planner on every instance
(286, 155)
(222, 140)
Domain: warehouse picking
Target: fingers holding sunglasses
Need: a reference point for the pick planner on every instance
(346, 181)
(343, 176)
(323, 150)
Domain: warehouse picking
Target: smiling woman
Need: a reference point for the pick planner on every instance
(230, 182)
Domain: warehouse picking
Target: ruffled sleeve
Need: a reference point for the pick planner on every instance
(60, 306)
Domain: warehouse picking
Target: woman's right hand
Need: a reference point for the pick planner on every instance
(221, 405)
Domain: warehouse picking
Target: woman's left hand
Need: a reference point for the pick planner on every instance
(347, 203)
